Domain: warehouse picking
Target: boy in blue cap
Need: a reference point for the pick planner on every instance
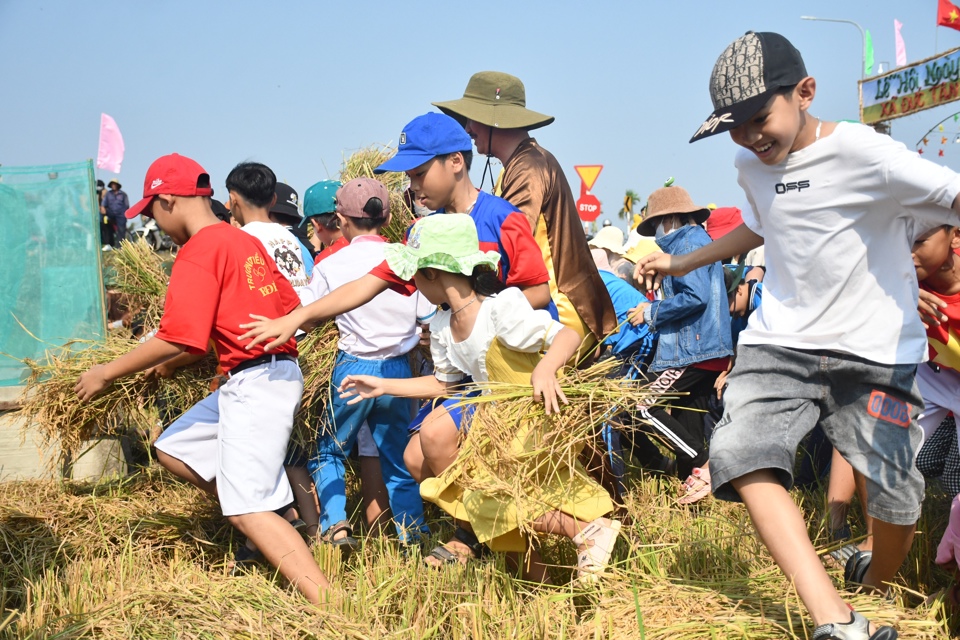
(838, 338)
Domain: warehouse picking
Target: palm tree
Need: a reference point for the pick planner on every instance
(626, 211)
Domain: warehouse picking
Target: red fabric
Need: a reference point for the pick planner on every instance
(221, 276)
(524, 258)
(943, 340)
(717, 364)
(403, 287)
(948, 15)
(722, 221)
(338, 244)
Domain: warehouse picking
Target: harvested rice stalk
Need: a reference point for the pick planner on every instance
(140, 277)
(361, 164)
(318, 352)
(513, 449)
(50, 404)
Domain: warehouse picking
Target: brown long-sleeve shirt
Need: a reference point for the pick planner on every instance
(533, 181)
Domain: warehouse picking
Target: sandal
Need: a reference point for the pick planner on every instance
(857, 629)
(592, 561)
(347, 543)
(842, 555)
(468, 539)
(696, 486)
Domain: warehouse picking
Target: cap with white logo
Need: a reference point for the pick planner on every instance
(286, 204)
(747, 74)
(172, 175)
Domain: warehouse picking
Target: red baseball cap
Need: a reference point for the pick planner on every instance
(172, 175)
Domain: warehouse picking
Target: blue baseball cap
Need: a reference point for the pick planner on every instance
(320, 198)
(424, 138)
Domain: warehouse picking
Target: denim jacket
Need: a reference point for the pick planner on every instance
(693, 318)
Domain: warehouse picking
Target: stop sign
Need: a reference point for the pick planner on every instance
(588, 207)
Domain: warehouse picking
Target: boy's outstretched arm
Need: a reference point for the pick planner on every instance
(149, 354)
(544, 376)
(344, 298)
(653, 267)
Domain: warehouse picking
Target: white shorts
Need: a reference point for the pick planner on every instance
(941, 395)
(365, 445)
(238, 436)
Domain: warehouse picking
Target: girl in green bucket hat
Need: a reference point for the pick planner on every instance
(485, 336)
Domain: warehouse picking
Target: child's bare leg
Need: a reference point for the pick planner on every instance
(283, 548)
(867, 545)
(839, 491)
(413, 458)
(373, 492)
(305, 494)
(439, 440)
(891, 543)
(183, 471)
(780, 525)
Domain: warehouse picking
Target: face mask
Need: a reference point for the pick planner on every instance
(660, 232)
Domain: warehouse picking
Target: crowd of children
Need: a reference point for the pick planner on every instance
(861, 279)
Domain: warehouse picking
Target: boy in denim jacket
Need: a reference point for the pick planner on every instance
(693, 324)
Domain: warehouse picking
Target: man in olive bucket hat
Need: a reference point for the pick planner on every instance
(493, 111)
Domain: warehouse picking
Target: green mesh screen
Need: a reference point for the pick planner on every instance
(50, 283)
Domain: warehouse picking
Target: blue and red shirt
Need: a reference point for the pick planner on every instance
(500, 228)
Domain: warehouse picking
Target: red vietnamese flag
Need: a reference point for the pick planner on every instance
(948, 15)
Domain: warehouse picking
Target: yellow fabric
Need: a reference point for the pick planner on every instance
(563, 485)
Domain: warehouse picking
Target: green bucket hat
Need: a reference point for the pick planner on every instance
(446, 241)
(497, 100)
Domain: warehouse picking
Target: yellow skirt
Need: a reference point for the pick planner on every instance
(487, 499)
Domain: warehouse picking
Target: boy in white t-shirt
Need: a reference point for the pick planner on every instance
(375, 339)
(838, 338)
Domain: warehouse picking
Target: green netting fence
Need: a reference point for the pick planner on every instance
(51, 289)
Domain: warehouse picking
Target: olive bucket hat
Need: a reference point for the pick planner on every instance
(497, 100)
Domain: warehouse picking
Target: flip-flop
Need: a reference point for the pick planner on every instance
(856, 568)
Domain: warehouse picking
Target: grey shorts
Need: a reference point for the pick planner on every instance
(867, 410)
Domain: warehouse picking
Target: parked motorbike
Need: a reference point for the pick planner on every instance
(152, 234)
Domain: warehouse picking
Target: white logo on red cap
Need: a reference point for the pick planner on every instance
(156, 183)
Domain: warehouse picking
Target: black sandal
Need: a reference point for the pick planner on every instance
(244, 558)
(477, 548)
(856, 568)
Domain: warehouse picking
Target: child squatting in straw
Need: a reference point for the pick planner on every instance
(494, 337)
(220, 274)
(837, 339)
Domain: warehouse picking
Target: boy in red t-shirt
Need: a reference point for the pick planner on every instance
(220, 274)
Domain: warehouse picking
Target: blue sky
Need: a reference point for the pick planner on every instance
(297, 85)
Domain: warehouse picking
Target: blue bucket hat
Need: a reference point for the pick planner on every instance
(425, 138)
(320, 198)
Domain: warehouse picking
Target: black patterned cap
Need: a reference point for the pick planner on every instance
(746, 75)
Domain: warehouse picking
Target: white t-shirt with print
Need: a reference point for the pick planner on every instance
(507, 317)
(386, 326)
(284, 248)
(838, 219)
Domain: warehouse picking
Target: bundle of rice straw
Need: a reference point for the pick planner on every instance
(139, 276)
(51, 406)
(361, 164)
(512, 448)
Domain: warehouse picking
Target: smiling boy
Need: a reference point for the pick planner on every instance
(837, 338)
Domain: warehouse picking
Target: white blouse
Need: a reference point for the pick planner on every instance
(508, 317)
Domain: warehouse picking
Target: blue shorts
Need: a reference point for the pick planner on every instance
(452, 404)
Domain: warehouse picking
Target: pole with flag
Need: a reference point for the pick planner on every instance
(110, 151)
(948, 15)
(868, 54)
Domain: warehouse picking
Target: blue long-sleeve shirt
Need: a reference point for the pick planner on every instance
(116, 204)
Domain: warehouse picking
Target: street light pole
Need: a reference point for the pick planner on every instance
(863, 39)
